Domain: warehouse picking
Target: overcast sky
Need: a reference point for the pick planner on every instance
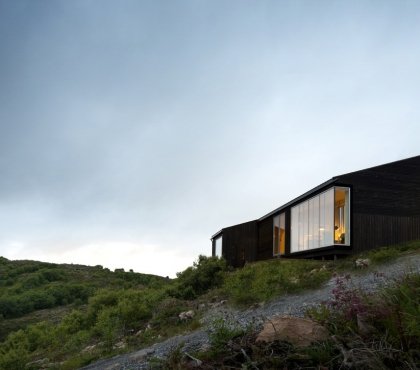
(131, 131)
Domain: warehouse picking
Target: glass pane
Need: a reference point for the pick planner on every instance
(305, 222)
(294, 242)
(341, 216)
(329, 218)
(314, 222)
(322, 220)
(301, 227)
(347, 217)
(218, 243)
(282, 233)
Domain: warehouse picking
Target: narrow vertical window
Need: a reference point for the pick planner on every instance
(276, 235)
(219, 246)
(294, 229)
(341, 216)
(329, 218)
(279, 235)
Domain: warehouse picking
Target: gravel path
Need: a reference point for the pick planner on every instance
(293, 305)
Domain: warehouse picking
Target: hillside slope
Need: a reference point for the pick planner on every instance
(32, 291)
(240, 320)
(68, 316)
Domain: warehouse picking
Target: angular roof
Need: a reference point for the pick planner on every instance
(334, 179)
(415, 159)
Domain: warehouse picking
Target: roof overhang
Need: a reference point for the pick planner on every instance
(217, 234)
(296, 200)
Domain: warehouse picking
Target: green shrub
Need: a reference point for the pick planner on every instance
(166, 313)
(385, 254)
(108, 326)
(383, 327)
(222, 332)
(101, 300)
(73, 322)
(14, 353)
(205, 274)
(40, 335)
(264, 280)
(135, 307)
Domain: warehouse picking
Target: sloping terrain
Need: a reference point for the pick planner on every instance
(293, 305)
(69, 316)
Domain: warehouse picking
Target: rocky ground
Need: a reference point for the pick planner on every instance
(292, 305)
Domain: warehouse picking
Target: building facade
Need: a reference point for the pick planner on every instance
(347, 214)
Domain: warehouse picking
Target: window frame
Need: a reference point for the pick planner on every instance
(219, 238)
(300, 222)
(279, 216)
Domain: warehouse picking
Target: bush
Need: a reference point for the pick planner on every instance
(264, 280)
(40, 335)
(383, 328)
(205, 274)
(98, 302)
(14, 352)
(222, 332)
(108, 326)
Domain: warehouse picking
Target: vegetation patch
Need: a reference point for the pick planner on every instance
(262, 281)
(377, 331)
(66, 316)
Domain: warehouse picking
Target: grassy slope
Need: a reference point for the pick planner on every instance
(94, 312)
(32, 291)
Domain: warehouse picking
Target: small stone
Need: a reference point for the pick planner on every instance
(141, 355)
(119, 345)
(89, 348)
(362, 262)
(187, 315)
(294, 280)
(38, 363)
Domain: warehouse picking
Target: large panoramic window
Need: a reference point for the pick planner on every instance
(321, 221)
(279, 234)
(218, 246)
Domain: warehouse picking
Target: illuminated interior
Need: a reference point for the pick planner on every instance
(279, 235)
(341, 215)
(321, 221)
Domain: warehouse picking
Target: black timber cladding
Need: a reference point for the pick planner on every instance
(385, 207)
(389, 189)
(385, 210)
(238, 243)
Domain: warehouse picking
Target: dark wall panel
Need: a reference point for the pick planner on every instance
(390, 189)
(240, 243)
(371, 231)
(265, 239)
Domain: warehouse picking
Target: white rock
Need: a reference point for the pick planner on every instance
(187, 315)
(362, 262)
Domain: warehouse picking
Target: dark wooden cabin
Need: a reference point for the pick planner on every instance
(347, 214)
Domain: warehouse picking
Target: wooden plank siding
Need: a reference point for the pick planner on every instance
(265, 239)
(266, 236)
(372, 231)
(390, 189)
(239, 243)
(384, 210)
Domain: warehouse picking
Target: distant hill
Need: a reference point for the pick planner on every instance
(29, 286)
